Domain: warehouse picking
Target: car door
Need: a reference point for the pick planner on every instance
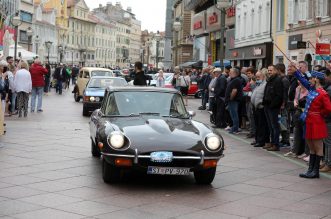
(80, 82)
(84, 80)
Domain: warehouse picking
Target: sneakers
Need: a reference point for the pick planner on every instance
(290, 154)
(302, 156)
(227, 128)
(40, 111)
(201, 108)
(325, 169)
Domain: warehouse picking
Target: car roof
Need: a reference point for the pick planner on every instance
(142, 89)
(95, 69)
(109, 77)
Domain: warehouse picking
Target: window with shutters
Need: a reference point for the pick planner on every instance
(322, 8)
(267, 17)
(252, 22)
(280, 14)
(303, 7)
(290, 12)
(295, 11)
(259, 20)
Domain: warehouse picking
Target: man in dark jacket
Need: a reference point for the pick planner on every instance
(47, 78)
(74, 74)
(220, 87)
(272, 101)
(140, 78)
(205, 80)
(60, 75)
(233, 95)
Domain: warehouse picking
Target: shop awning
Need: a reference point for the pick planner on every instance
(225, 63)
(194, 64)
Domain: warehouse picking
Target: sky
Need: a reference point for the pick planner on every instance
(151, 13)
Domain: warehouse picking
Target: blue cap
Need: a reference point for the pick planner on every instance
(316, 74)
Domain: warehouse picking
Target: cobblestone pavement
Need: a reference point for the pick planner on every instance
(46, 171)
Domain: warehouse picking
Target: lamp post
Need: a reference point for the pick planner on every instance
(60, 48)
(177, 26)
(16, 21)
(48, 45)
(157, 39)
(29, 33)
(222, 5)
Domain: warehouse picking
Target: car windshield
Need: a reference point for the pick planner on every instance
(106, 82)
(101, 73)
(135, 103)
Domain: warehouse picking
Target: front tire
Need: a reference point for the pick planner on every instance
(94, 150)
(76, 95)
(198, 94)
(85, 111)
(110, 174)
(205, 177)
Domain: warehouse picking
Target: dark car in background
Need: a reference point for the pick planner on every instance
(149, 129)
(95, 90)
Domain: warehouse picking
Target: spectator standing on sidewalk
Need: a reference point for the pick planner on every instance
(317, 107)
(140, 77)
(262, 134)
(327, 141)
(284, 123)
(291, 93)
(74, 74)
(176, 80)
(247, 90)
(47, 78)
(60, 75)
(23, 86)
(233, 95)
(219, 90)
(205, 80)
(37, 72)
(160, 80)
(211, 88)
(272, 101)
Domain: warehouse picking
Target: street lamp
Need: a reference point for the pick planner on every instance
(157, 38)
(177, 26)
(48, 45)
(222, 5)
(29, 33)
(60, 48)
(16, 21)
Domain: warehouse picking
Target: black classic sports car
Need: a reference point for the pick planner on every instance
(149, 129)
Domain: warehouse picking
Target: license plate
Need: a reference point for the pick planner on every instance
(168, 170)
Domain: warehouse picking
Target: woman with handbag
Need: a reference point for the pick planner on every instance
(317, 107)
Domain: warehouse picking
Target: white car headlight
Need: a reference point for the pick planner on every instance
(213, 142)
(116, 140)
(92, 99)
(97, 99)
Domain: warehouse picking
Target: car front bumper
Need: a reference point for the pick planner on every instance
(143, 161)
(91, 106)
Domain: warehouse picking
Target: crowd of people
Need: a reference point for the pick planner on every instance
(274, 102)
(20, 82)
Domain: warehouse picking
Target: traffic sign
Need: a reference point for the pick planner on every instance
(319, 58)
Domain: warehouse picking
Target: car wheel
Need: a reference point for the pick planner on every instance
(76, 96)
(94, 150)
(110, 174)
(198, 94)
(85, 111)
(205, 176)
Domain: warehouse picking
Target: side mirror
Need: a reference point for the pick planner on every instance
(191, 114)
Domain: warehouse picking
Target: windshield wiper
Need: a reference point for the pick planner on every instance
(149, 113)
(94, 87)
(176, 116)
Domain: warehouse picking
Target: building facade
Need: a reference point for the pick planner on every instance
(26, 12)
(311, 23)
(44, 30)
(167, 61)
(182, 49)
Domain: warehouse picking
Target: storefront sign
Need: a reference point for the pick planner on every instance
(231, 12)
(320, 58)
(198, 23)
(212, 19)
(322, 48)
(257, 51)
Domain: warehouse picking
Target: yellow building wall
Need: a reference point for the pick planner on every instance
(280, 37)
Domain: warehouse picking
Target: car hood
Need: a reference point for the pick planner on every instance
(160, 133)
(97, 92)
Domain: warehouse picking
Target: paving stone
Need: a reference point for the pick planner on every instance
(277, 214)
(11, 207)
(210, 215)
(48, 213)
(52, 186)
(15, 192)
(249, 189)
(50, 199)
(129, 214)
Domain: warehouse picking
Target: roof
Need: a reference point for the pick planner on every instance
(95, 69)
(143, 89)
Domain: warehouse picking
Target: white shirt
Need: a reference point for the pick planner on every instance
(11, 80)
(22, 81)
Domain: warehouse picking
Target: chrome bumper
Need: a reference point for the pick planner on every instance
(136, 157)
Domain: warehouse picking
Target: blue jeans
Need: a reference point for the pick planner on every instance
(13, 102)
(36, 92)
(233, 110)
(272, 120)
(59, 85)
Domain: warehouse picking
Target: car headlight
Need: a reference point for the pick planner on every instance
(92, 99)
(116, 140)
(213, 142)
(97, 99)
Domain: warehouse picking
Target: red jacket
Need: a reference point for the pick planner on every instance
(37, 75)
